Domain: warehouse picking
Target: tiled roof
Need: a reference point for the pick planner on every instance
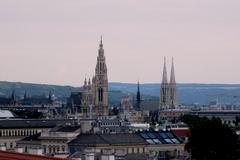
(5, 155)
(181, 132)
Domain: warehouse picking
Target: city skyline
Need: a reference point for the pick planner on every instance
(56, 42)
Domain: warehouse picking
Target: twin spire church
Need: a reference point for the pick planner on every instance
(168, 93)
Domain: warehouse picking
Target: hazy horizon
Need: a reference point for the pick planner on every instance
(135, 83)
(56, 42)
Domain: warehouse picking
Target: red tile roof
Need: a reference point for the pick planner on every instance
(181, 132)
(6, 155)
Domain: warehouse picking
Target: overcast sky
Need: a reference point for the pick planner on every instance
(56, 41)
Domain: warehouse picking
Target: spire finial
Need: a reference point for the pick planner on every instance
(101, 44)
(172, 77)
(164, 78)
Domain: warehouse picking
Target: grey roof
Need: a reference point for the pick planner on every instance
(143, 138)
(20, 123)
(68, 129)
(34, 139)
(88, 140)
(123, 138)
(107, 139)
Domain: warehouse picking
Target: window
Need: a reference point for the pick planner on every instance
(100, 94)
(63, 148)
(11, 145)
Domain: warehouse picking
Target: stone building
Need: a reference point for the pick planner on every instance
(50, 142)
(12, 131)
(162, 145)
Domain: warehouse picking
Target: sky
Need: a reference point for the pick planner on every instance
(56, 41)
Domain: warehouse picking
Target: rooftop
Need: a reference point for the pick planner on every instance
(68, 129)
(5, 155)
(27, 123)
(143, 138)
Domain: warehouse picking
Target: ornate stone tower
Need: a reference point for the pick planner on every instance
(100, 84)
(172, 89)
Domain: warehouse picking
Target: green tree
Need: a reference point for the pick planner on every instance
(211, 140)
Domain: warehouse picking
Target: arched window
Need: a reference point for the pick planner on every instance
(100, 94)
(63, 148)
(50, 149)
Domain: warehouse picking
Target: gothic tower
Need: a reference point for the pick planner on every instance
(172, 89)
(100, 80)
(164, 93)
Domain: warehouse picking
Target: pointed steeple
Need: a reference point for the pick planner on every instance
(164, 77)
(138, 93)
(172, 77)
(101, 44)
(101, 50)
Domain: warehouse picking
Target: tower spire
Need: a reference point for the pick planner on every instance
(101, 44)
(164, 78)
(138, 93)
(101, 50)
(172, 77)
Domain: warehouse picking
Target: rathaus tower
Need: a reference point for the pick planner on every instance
(95, 94)
(100, 84)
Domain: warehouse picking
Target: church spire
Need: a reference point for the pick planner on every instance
(101, 50)
(172, 77)
(164, 78)
(101, 44)
(138, 93)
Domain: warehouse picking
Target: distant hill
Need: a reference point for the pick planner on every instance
(6, 89)
(187, 93)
